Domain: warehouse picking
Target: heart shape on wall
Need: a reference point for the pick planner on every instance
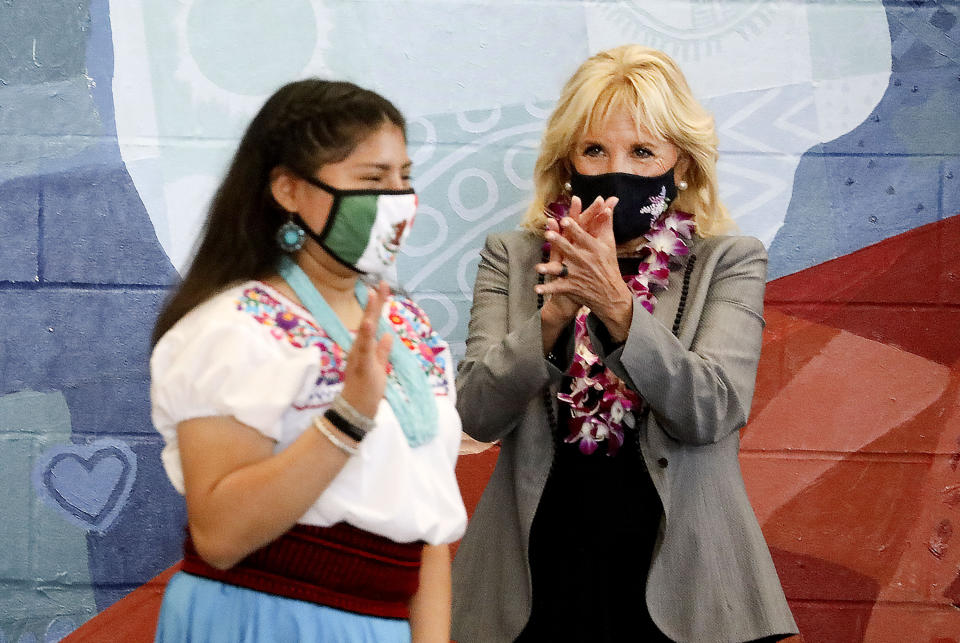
(88, 484)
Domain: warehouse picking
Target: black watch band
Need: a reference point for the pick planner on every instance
(349, 429)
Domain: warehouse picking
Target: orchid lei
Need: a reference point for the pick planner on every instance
(600, 403)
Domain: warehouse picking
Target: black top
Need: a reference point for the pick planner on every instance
(592, 539)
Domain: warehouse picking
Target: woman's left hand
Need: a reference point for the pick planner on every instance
(592, 274)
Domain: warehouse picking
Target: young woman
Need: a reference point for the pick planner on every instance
(309, 419)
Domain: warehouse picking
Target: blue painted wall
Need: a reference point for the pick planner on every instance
(89, 514)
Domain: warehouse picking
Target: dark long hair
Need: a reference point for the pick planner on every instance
(303, 126)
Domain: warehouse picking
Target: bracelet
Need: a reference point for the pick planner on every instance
(346, 427)
(363, 423)
(334, 440)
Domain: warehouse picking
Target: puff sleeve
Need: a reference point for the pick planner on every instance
(215, 362)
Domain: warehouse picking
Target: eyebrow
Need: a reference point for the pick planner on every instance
(643, 142)
(385, 166)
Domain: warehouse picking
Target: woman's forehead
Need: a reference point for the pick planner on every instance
(621, 119)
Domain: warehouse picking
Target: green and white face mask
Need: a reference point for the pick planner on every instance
(365, 228)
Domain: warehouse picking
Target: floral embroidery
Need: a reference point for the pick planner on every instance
(300, 331)
(414, 330)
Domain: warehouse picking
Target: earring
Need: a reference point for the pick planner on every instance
(567, 188)
(290, 236)
(681, 185)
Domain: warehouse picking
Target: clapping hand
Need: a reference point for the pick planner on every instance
(587, 272)
(593, 221)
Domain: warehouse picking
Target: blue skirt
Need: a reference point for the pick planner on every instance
(200, 609)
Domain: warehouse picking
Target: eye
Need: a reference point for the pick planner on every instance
(642, 152)
(592, 149)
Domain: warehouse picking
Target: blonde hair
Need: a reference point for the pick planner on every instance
(650, 85)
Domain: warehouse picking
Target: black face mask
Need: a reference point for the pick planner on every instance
(642, 198)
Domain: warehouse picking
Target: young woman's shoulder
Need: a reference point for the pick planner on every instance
(251, 309)
(236, 354)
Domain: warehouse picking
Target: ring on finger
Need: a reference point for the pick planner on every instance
(564, 271)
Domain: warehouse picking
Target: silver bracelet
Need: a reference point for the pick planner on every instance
(352, 415)
(334, 440)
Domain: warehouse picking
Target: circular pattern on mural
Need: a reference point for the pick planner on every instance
(437, 236)
(483, 125)
(521, 178)
(457, 191)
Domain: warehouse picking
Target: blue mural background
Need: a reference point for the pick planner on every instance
(88, 512)
(92, 514)
(898, 169)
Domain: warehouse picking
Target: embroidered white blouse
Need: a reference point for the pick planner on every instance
(251, 353)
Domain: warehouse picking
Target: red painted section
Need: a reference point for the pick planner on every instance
(904, 291)
(473, 471)
(852, 456)
(133, 619)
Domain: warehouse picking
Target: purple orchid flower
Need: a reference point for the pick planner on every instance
(601, 418)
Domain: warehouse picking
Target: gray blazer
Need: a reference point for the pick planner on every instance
(711, 578)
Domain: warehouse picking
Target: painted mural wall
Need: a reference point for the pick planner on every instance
(839, 125)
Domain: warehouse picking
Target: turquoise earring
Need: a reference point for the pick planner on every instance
(290, 236)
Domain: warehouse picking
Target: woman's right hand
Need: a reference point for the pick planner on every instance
(563, 308)
(560, 308)
(365, 375)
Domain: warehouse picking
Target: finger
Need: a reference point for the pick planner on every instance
(590, 214)
(377, 298)
(575, 233)
(374, 305)
(363, 340)
(576, 207)
(559, 244)
(554, 268)
(383, 349)
(604, 226)
(597, 204)
(367, 330)
(553, 226)
(600, 227)
(553, 287)
(594, 222)
(555, 254)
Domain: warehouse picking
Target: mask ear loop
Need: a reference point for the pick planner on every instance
(319, 237)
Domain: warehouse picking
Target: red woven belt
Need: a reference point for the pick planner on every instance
(339, 566)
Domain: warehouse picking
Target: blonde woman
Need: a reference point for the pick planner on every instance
(612, 349)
